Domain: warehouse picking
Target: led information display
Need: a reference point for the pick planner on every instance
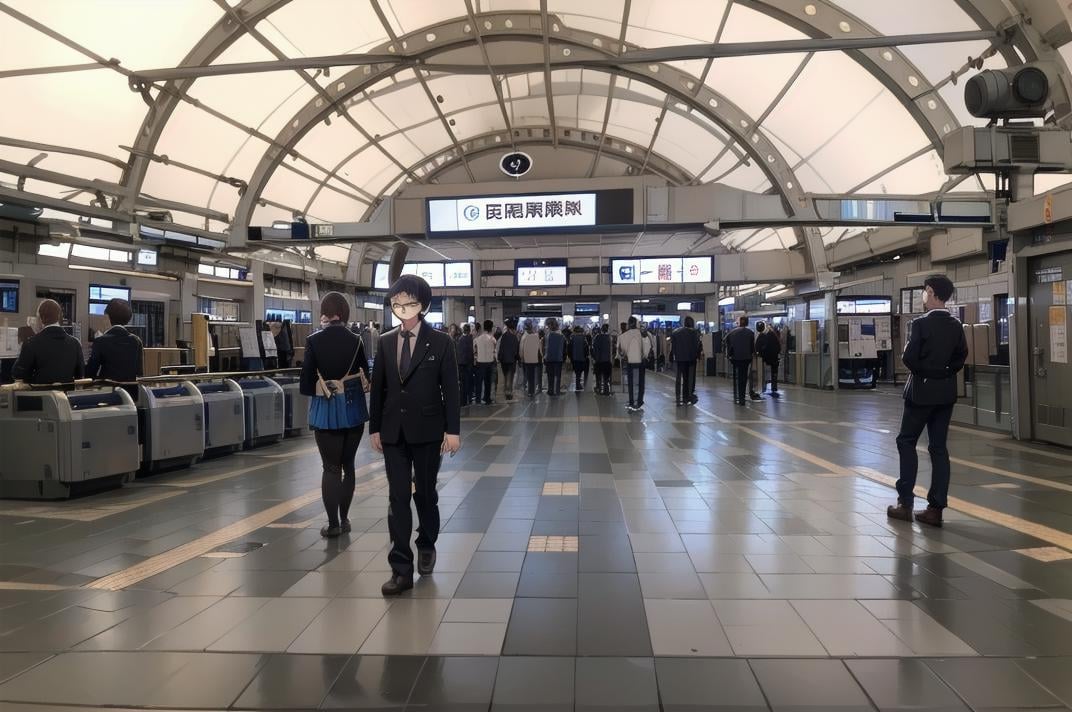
(660, 270)
(540, 273)
(512, 212)
(437, 274)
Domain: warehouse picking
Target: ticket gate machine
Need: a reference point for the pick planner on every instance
(171, 419)
(225, 416)
(296, 406)
(264, 411)
(57, 443)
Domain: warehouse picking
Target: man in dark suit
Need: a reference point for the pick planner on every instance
(769, 348)
(116, 354)
(935, 351)
(465, 363)
(51, 356)
(415, 417)
(740, 348)
(685, 351)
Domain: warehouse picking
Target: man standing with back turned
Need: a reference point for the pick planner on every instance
(414, 418)
(684, 351)
(740, 348)
(935, 352)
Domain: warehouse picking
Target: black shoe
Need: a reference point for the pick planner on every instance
(694, 400)
(775, 394)
(346, 526)
(756, 396)
(330, 532)
(931, 516)
(397, 585)
(899, 511)
(426, 559)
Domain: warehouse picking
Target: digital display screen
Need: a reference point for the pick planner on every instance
(661, 270)
(437, 274)
(9, 297)
(864, 305)
(540, 212)
(591, 308)
(147, 258)
(540, 273)
(100, 295)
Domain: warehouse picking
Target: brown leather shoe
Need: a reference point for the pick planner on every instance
(931, 516)
(899, 511)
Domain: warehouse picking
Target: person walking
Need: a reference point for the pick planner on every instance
(465, 363)
(553, 355)
(602, 355)
(530, 357)
(485, 362)
(335, 374)
(635, 348)
(740, 348)
(685, 352)
(414, 419)
(934, 353)
(769, 348)
(509, 346)
(579, 353)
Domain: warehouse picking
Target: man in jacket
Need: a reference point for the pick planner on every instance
(414, 418)
(579, 356)
(116, 354)
(635, 347)
(684, 352)
(740, 348)
(769, 348)
(553, 356)
(509, 346)
(934, 353)
(484, 346)
(50, 356)
(602, 356)
(465, 363)
(530, 357)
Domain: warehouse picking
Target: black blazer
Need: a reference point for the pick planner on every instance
(741, 344)
(50, 356)
(935, 352)
(116, 356)
(685, 344)
(769, 346)
(332, 351)
(423, 404)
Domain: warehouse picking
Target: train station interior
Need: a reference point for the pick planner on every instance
(877, 196)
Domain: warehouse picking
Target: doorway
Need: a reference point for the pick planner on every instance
(1051, 370)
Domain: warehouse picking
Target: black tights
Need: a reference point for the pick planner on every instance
(338, 448)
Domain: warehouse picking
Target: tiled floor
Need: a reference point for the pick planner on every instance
(709, 558)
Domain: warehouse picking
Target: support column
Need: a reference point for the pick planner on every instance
(1022, 187)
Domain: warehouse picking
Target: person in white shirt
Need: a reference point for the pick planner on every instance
(484, 346)
(635, 347)
(530, 357)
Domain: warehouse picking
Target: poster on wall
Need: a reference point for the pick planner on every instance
(883, 333)
(1058, 334)
(247, 337)
(1060, 294)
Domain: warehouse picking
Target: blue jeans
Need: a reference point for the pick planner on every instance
(636, 383)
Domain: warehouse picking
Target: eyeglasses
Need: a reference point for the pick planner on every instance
(407, 306)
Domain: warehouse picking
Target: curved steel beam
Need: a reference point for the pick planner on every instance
(527, 27)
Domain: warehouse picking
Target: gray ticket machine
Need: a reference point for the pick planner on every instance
(296, 406)
(171, 418)
(56, 443)
(264, 411)
(225, 416)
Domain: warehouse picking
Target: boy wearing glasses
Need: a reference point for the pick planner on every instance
(415, 417)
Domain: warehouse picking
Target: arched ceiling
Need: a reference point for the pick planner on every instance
(459, 79)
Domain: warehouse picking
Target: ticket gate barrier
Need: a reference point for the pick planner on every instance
(171, 419)
(54, 444)
(225, 416)
(295, 405)
(264, 411)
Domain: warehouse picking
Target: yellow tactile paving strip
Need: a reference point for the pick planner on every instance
(552, 544)
(1047, 554)
(90, 511)
(561, 489)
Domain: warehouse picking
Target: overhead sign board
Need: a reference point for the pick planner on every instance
(437, 274)
(541, 273)
(512, 212)
(660, 270)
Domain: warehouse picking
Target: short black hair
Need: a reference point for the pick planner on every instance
(941, 285)
(622, 326)
(761, 327)
(552, 324)
(743, 321)
(466, 329)
(118, 312)
(415, 287)
(489, 325)
(606, 328)
(335, 304)
(632, 322)
(690, 322)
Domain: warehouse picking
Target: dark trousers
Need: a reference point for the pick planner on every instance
(484, 373)
(412, 469)
(935, 418)
(580, 373)
(773, 376)
(508, 369)
(635, 374)
(685, 381)
(465, 373)
(602, 369)
(338, 448)
(740, 379)
(532, 370)
(554, 377)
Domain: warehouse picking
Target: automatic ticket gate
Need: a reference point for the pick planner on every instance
(295, 405)
(264, 411)
(55, 443)
(171, 419)
(225, 419)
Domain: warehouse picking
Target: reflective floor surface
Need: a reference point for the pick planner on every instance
(717, 557)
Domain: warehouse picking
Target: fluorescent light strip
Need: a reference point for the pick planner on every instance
(130, 273)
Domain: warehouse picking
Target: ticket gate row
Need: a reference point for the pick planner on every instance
(57, 443)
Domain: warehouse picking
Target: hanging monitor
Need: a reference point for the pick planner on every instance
(541, 273)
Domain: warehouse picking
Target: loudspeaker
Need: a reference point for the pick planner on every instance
(398, 261)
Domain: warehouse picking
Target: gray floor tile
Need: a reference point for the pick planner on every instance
(62, 630)
(488, 585)
(497, 562)
(145, 625)
(476, 610)
(1051, 673)
(904, 685)
(685, 628)
(374, 682)
(457, 684)
(11, 664)
(616, 684)
(407, 628)
(542, 626)
(531, 684)
(292, 682)
(993, 684)
(611, 619)
(89, 678)
(809, 685)
(677, 585)
(697, 685)
(207, 681)
(663, 563)
(468, 639)
(321, 584)
(205, 628)
(547, 585)
(341, 627)
(272, 628)
(845, 628)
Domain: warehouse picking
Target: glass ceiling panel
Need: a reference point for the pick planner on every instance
(477, 121)
(752, 83)
(746, 177)
(188, 121)
(64, 163)
(937, 61)
(362, 168)
(333, 253)
(603, 17)
(321, 27)
(632, 121)
(402, 102)
(686, 143)
(906, 17)
(336, 207)
(591, 109)
(327, 144)
(461, 91)
(410, 15)
(290, 189)
(142, 35)
(24, 48)
(170, 182)
(653, 24)
(920, 175)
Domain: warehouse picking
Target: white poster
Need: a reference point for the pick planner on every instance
(269, 344)
(9, 342)
(855, 328)
(883, 333)
(247, 336)
(1058, 334)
